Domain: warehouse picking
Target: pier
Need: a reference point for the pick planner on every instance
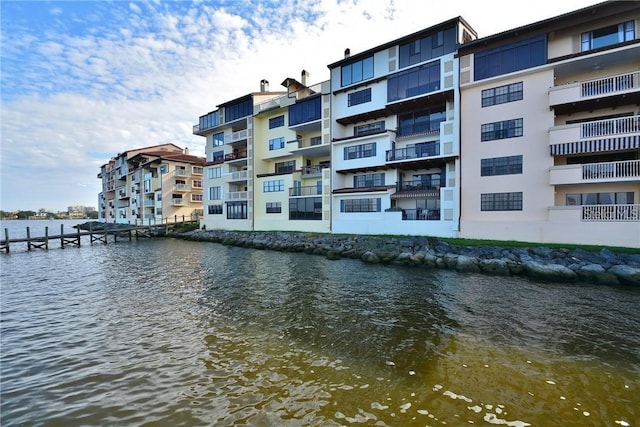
(104, 234)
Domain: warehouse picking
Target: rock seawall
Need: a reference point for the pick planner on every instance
(557, 265)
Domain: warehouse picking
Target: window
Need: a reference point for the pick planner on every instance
(238, 109)
(502, 94)
(357, 71)
(276, 143)
(360, 151)
(579, 199)
(368, 129)
(276, 122)
(272, 186)
(217, 139)
(501, 166)
(359, 97)
(607, 36)
(429, 47)
(196, 197)
(237, 210)
(163, 169)
(360, 205)
(217, 156)
(305, 111)
(422, 121)
(274, 207)
(368, 180)
(209, 120)
(501, 130)
(286, 167)
(501, 201)
(196, 183)
(413, 82)
(215, 193)
(505, 59)
(214, 172)
(305, 208)
(214, 209)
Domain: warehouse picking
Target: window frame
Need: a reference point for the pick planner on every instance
(497, 202)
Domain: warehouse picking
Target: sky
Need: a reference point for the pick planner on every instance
(81, 81)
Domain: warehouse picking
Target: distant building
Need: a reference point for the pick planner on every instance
(152, 184)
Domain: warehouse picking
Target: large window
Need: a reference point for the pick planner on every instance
(237, 210)
(214, 209)
(215, 193)
(501, 130)
(578, 199)
(305, 111)
(209, 120)
(286, 167)
(501, 201)
(509, 58)
(217, 139)
(357, 71)
(360, 205)
(607, 36)
(276, 143)
(426, 48)
(306, 208)
(502, 94)
(214, 172)
(273, 186)
(359, 97)
(501, 166)
(418, 122)
(274, 207)
(276, 122)
(238, 110)
(217, 156)
(360, 151)
(368, 180)
(413, 82)
(368, 129)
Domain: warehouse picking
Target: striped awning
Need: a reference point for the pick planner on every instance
(596, 145)
(415, 194)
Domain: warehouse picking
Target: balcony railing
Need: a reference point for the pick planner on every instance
(310, 190)
(573, 92)
(610, 213)
(420, 215)
(415, 186)
(235, 156)
(594, 129)
(178, 202)
(181, 172)
(414, 152)
(181, 187)
(315, 170)
(611, 170)
(149, 203)
(235, 136)
(307, 142)
(236, 195)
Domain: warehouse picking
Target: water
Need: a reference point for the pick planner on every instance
(173, 333)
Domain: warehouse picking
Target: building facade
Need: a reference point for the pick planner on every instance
(161, 183)
(550, 130)
(395, 119)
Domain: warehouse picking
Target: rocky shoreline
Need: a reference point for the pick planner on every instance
(556, 265)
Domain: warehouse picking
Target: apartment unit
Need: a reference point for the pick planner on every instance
(153, 184)
(292, 158)
(229, 148)
(395, 120)
(550, 130)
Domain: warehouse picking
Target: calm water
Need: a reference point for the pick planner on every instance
(176, 333)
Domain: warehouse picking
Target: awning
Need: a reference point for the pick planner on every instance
(596, 145)
(418, 194)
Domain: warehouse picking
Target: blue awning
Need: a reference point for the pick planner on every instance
(596, 145)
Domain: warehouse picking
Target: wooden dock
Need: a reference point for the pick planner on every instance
(103, 235)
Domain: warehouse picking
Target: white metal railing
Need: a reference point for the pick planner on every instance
(181, 172)
(618, 83)
(178, 202)
(624, 169)
(181, 187)
(236, 195)
(235, 136)
(238, 176)
(610, 213)
(618, 126)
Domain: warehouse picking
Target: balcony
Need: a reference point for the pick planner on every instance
(197, 198)
(181, 187)
(610, 213)
(123, 194)
(178, 202)
(566, 96)
(235, 136)
(237, 176)
(617, 127)
(312, 171)
(414, 152)
(235, 155)
(236, 195)
(181, 172)
(149, 203)
(420, 215)
(197, 170)
(623, 171)
(310, 190)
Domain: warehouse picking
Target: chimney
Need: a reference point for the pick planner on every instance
(186, 150)
(264, 85)
(305, 78)
(347, 52)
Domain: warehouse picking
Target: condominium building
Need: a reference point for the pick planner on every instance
(161, 183)
(229, 148)
(550, 130)
(395, 120)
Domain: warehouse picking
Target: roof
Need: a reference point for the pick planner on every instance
(176, 157)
